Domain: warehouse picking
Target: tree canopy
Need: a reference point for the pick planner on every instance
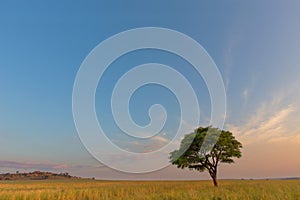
(205, 149)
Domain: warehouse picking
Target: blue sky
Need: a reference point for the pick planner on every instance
(255, 45)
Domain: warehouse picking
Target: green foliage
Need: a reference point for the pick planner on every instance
(205, 149)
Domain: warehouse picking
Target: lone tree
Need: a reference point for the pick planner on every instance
(200, 151)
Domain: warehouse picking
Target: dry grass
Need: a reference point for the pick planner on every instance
(89, 190)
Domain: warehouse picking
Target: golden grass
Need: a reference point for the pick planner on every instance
(94, 190)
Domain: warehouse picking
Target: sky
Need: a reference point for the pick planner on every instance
(255, 45)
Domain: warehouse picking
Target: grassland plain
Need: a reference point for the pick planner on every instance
(94, 190)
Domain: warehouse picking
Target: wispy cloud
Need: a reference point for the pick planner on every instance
(233, 43)
(32, 165)
(268, 124)
(44, 166)
(245, 96)
(276, 119)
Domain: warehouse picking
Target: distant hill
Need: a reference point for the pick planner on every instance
(290, 178)
(37, 175)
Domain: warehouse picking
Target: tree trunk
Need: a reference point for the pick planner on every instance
(213, 175)
(215, 180)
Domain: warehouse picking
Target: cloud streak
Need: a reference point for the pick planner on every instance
(245, 96)
(44, 166)
(32, 165)
(269, 124)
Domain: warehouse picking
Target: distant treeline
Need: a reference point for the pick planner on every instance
(36, 175)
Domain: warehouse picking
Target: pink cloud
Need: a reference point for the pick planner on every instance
(32, 165)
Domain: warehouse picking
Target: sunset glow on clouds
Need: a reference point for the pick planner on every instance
(32, 165)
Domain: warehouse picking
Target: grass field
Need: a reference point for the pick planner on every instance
(87, 190)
